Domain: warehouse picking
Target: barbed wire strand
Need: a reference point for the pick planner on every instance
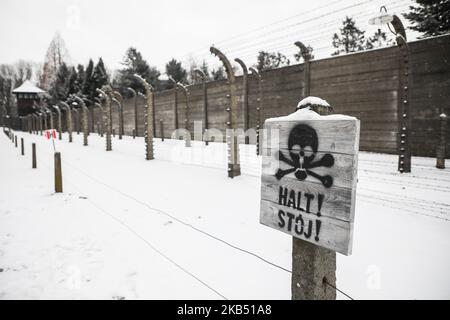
(152, 246)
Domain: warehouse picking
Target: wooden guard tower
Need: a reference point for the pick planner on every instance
(26, 95)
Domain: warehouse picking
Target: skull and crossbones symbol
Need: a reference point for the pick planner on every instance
(303, 144)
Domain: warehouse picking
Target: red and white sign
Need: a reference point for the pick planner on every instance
(50, 134)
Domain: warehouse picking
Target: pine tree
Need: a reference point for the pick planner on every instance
(80, 78)
(218, 74)
(72, 81)
(6, 86)
(176, 71)
(134, 63)
(378, 40)
(271, 60)
(351, 38)
(431, 17)
(99, 77)
(88, 83)
(59, 89)
(204, 67)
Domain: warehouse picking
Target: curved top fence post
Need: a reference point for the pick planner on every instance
(245, 100)
(234, 168)
(148, 118)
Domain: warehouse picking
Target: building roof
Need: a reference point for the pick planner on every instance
(28, 87)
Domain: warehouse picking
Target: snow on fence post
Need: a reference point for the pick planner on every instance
(148, 132)
(134, 95)
(305, 52)
(258, 109)
(58, 173)
(118, 99)
(66, 107)
(33, 156)
(107, 117)
(441, 148)
(202, 76)
(187, 135)
(245, 99)
(308, 190)
(234, 168)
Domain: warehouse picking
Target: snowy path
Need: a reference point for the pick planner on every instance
(128, 228)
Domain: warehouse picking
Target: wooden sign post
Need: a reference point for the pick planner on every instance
(58, 173)
(33, 156)
(308, 189)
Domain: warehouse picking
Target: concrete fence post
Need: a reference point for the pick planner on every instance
(148, 118)
(442, 146)
(161, 123)
(107, 117)
(84, 119)
(22, 148)
(58, 112)
(258, 110)
(101, 121)
(187, 136)
(245, 97)
(69, 123)
(202, 76)
(175, 95)
(134, 95)
(305, 53)
(234, 167)
(118, 99)
(404, 145)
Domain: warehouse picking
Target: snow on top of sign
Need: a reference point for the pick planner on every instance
(312, 101)
(308, 114)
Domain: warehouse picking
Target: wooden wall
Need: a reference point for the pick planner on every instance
(362, 84)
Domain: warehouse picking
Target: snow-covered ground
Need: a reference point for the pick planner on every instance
(177, 227)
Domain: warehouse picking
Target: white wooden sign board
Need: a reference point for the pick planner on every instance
(308, 181)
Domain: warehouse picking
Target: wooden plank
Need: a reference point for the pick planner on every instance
(335, 205)
(332, 234)
(343, 163)
(329, 130)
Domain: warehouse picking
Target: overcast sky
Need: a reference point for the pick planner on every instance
(164, 29)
